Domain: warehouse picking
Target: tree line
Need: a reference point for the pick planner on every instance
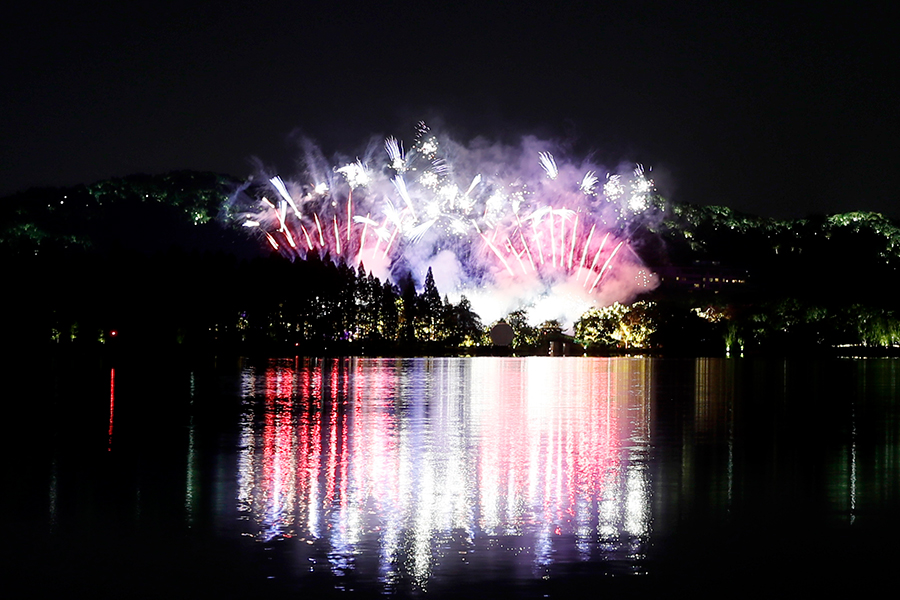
(147, 257)
(214, 301)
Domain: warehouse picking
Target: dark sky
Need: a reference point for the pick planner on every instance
(781, 109)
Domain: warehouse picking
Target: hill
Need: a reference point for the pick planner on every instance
(162, 255)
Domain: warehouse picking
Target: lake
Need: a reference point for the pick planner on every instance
(443, 477)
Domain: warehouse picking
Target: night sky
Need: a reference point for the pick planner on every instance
(770, 109)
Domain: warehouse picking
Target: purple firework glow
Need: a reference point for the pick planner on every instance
(509, 227)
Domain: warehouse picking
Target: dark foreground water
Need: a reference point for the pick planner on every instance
(487, 477)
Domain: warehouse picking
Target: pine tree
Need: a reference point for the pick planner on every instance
(431, 308)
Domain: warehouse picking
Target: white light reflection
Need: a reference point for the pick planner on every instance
(419, 461)
(853, 473)
(190, 491)
(53, 496)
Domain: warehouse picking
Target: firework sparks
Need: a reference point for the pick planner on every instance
(548, 163)
(514, 222)
(588, 183)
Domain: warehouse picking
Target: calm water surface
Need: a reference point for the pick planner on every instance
(528, 477)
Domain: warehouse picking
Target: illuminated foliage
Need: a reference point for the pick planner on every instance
(462, 326)
(791, 325)
(876, 328)
(617, 325)
(142, 210)
(524, 335)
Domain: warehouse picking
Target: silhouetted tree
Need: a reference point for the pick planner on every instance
(430, 310)
(524, 335)
(462, 325)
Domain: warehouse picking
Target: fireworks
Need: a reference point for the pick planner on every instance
(510, 227)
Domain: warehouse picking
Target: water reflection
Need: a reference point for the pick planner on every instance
(112, 405)
(714, 397)
(397, 476)
(423, 462)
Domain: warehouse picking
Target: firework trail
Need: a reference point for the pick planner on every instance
(509, 227)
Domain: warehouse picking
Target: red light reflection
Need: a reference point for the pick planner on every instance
(112, 403)
(408, 451)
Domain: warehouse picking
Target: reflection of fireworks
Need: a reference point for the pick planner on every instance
(474, 462)
(514, 222)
